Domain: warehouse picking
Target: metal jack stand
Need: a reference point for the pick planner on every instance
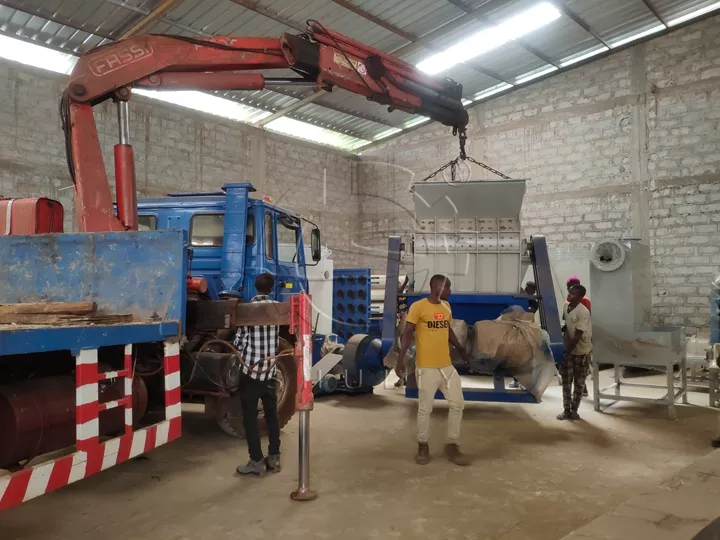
(301, 324)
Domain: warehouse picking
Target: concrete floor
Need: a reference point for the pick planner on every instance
(533, 477)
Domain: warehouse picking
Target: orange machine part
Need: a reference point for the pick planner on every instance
(30, 216)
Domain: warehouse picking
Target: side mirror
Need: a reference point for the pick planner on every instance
(315, 245)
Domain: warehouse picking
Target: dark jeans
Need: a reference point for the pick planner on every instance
(251, 390)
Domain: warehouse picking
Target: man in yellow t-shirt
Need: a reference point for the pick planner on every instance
(430, 319)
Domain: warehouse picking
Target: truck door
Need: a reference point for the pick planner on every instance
(289, 279)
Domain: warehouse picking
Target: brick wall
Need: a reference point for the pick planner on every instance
(627, 146)
(176, 150)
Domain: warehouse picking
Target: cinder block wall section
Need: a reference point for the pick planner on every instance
(627, 146)
(176, 150)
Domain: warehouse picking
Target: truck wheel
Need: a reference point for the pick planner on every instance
(228, 411)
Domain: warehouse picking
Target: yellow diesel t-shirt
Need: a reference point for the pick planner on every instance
(432, 333)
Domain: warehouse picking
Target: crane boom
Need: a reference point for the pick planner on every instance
(321, 57)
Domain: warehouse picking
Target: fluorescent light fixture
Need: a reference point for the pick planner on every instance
(206, 103)
(535, 75)
(584, 56)
(466, 102)
(386, 133)
(491, 91)
(36, 55)
(653, 30)
(491, 38)
(416, 122)
(693, 14)
(317, 134)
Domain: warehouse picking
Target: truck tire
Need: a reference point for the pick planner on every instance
(228, 411)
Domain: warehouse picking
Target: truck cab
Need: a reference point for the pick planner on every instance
(235, 238)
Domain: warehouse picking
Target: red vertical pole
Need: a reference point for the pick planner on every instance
(301, 324)
(301, 319)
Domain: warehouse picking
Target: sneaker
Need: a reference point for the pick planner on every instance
(273, 463)
(423, 454)
(514, 384)
(574, 415)
(453, 453)
(565, 415)
(255, 468)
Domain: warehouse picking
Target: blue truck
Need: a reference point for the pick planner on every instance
(232, 239)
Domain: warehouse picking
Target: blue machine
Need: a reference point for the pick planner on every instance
(470, 232)
(235, 238)
(472, 308)
(351, 301)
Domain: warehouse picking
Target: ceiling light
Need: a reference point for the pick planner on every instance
(386, 133)
(536, 75)
(653, 30)
(693, 14)
(491, 91)
(416, 122)
(584, 56)
(36, 55)
(491, 38)
(206, 103)
(310, 132)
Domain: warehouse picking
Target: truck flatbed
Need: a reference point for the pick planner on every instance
(23, 338)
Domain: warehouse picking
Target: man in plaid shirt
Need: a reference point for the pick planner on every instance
(259, 345)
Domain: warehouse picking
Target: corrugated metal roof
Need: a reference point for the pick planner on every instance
(615, 19)
(417, 17)
(224, 17)
(78, 25)
(672, 9)
(355, 104)
(351, 125)
(561, 39)
(336, 17)
(35, 28)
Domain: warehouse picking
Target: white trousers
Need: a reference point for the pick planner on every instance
(429, 381)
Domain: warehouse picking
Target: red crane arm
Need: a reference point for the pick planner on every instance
(321, 57)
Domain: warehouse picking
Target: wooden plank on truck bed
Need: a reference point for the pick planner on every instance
(265, 314)
(65, 308)
(59, 319)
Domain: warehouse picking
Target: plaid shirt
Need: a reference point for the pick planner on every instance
(257, 343)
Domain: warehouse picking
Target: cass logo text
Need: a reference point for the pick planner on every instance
(104, 64)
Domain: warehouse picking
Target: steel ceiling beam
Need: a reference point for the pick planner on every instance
(143, 24)
(288, 109)
(253, 5)
(560, 4)
(519, 41)
(347, 4)
(654, 11)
